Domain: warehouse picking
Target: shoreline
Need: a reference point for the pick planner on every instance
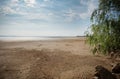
(18, 39)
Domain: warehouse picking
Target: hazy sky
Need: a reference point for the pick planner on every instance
(45, 17)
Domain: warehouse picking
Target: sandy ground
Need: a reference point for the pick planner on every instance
(48, 59)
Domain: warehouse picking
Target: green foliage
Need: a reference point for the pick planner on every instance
(105, 32)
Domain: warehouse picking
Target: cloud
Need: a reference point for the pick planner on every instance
(30, 3)
(47, 14)
(42, 12)
(38, 17)
(70, 15)
(84, 2)
(82, 12)
(50, 14)
(14, 1)
(46, 0)
(8, 10)
(90, 8)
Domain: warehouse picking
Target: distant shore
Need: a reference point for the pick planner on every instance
(35, 38)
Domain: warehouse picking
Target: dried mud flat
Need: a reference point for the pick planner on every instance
(50, 59)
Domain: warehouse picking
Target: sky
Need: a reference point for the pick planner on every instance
(45, 17)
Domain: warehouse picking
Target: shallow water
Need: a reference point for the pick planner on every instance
(23, 38)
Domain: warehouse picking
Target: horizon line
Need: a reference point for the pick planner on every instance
(41, 36)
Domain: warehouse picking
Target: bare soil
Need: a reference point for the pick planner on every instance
(50, 59)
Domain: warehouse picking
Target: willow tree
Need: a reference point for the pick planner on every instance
(104, 36)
